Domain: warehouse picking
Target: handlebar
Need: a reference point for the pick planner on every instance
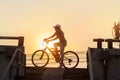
(46, 41)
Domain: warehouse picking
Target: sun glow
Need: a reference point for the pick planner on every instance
(51, 44)
(43, 44)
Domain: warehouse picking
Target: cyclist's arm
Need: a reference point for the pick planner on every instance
(52, 36)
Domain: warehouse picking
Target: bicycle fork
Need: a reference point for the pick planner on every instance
(42, 55)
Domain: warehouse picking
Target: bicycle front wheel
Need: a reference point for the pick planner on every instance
(40, 58)
(70, 60)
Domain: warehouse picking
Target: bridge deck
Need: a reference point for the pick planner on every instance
(33, 73)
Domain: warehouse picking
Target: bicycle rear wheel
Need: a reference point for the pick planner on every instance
(70, 60)
(40, 58)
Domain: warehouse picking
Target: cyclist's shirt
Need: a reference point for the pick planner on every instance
(59, 33)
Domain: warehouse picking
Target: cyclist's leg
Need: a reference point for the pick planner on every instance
(62, 54)
(56, 46)
(57, 56)
(62, 47)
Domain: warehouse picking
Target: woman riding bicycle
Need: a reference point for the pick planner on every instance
(59, 34)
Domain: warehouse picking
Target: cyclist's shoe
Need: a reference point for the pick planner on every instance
(60, 66)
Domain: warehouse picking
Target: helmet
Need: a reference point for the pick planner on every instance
(57, 26)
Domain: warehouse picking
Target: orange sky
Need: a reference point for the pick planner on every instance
(81, 20)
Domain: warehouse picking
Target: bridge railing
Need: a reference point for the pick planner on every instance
(13, 58)
(17, 51)
(20, 39)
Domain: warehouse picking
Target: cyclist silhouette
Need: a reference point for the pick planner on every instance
(59, 34)
(116, 30)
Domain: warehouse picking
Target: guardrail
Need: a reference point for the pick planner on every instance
(20, 39)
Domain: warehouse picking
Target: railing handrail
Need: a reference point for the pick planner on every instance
(10, 63)
(20, 39)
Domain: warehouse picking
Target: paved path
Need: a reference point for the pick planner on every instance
(53, 74)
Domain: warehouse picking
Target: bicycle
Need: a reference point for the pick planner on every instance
(40, 58)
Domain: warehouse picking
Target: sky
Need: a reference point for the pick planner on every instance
(81, 21)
